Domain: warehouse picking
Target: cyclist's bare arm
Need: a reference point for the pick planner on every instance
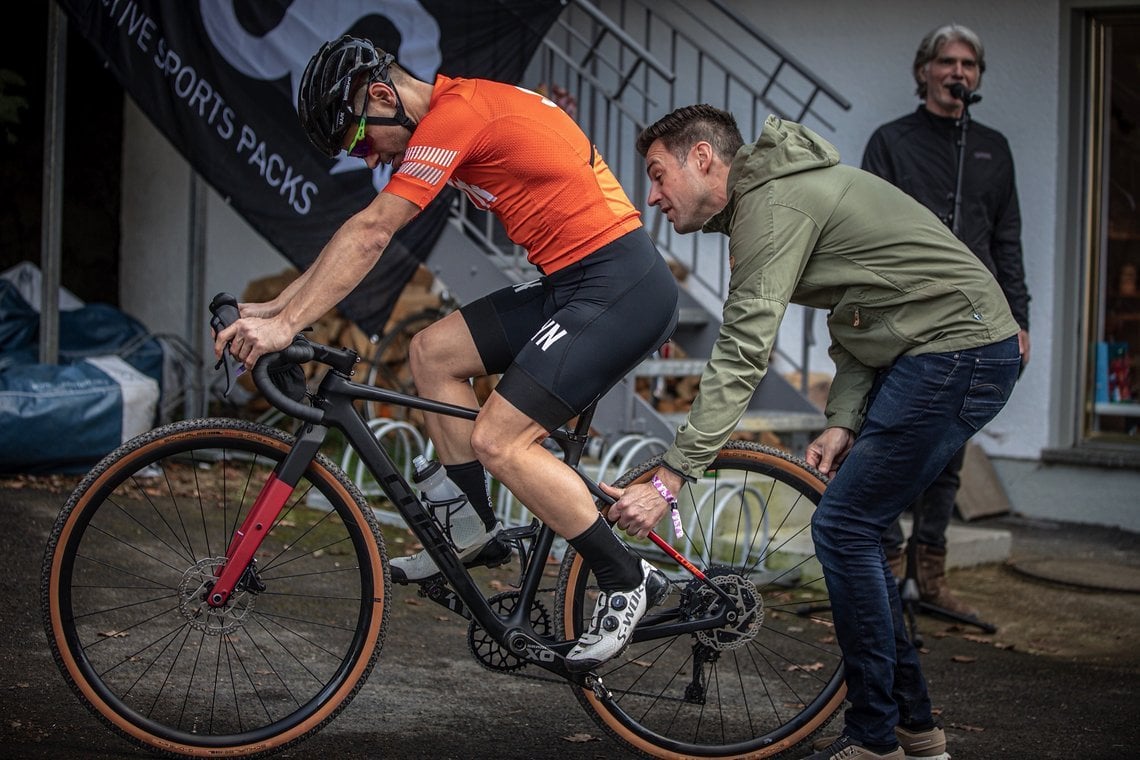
(353, 250)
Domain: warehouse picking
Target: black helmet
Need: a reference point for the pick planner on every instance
(327, 85)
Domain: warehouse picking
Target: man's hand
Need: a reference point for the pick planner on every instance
(639, 507)
(829, 450)
(1023, 346)
(250, 338)
(266, 310)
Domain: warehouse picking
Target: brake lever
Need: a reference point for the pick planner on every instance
(225, 311)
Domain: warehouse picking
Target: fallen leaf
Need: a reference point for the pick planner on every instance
(963, 658)
(977, 638)
(413, 601)
(579, 738)
(966, 727)
(113, 634)
(807, 668)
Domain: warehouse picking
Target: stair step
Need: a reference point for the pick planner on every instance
(670, 367)
(692, 316)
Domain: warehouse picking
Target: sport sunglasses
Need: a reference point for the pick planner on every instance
(361, 144)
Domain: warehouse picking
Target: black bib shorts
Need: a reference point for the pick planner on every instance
(562, 341)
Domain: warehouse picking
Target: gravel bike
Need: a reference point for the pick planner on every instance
(220, 587)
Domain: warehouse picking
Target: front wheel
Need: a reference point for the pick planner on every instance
(135, 550)
(754, 688)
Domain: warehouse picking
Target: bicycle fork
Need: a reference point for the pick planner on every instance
(266, 508)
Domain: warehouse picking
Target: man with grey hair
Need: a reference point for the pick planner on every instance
(963, 172)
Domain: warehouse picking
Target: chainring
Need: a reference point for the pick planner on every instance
(490, 653)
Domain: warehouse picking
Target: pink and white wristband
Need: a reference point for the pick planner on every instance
(671, 500)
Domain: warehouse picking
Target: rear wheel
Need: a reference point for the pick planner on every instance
(135, 549)
(758, 686)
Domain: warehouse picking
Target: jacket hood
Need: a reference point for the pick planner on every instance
(783, 148)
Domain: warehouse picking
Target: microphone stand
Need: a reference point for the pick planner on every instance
(963, 128)
(961, 93)
(909, 593)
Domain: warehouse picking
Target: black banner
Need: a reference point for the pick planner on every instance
(219, 78)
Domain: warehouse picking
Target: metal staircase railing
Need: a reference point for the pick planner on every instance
(618, 65)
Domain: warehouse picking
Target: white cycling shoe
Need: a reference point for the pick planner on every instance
(615, 616)
(486, 551)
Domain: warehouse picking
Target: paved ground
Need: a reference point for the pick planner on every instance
(1060, 678)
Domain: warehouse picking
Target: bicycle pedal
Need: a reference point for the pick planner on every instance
(518, 533)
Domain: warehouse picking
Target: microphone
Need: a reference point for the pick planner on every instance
(959, 91)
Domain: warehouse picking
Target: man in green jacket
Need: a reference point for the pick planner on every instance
(925, 353)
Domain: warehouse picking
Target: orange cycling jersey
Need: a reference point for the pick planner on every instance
(518, 155)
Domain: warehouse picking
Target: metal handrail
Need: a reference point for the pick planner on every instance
(626, 67)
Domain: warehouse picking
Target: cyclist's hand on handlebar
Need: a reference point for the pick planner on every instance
(638, 508)
(264, 310)
(250, 338)
(829, 450)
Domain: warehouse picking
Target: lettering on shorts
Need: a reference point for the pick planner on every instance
(550, 334)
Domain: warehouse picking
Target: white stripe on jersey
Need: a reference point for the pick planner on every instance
(421, 171)
(437, 156)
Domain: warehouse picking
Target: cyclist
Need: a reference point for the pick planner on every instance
(605, 300)
(925, 349)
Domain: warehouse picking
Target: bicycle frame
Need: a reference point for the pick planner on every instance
(333, 406)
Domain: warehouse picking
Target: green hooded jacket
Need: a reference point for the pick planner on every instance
(806, 229)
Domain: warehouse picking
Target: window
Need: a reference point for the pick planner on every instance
(1113, 387)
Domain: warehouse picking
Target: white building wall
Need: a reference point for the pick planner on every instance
(155, 254)
(865, 51)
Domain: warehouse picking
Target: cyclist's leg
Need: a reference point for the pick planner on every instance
(443, 359)
(600, 317)
(509, 444)
(603, 315)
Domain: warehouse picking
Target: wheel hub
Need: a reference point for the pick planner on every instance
(194, 590)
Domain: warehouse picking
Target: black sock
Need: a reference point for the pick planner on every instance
(615, 566)
(473, 481)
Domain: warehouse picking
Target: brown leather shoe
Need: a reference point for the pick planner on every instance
(929, 744)
(932, 582)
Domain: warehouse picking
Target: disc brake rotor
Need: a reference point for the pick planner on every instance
(699, 600)
(196, 584)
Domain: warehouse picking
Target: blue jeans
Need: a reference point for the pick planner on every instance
(921, 410)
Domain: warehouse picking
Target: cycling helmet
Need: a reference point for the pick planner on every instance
(324, 98)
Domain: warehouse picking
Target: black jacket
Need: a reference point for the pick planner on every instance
(919, 154)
